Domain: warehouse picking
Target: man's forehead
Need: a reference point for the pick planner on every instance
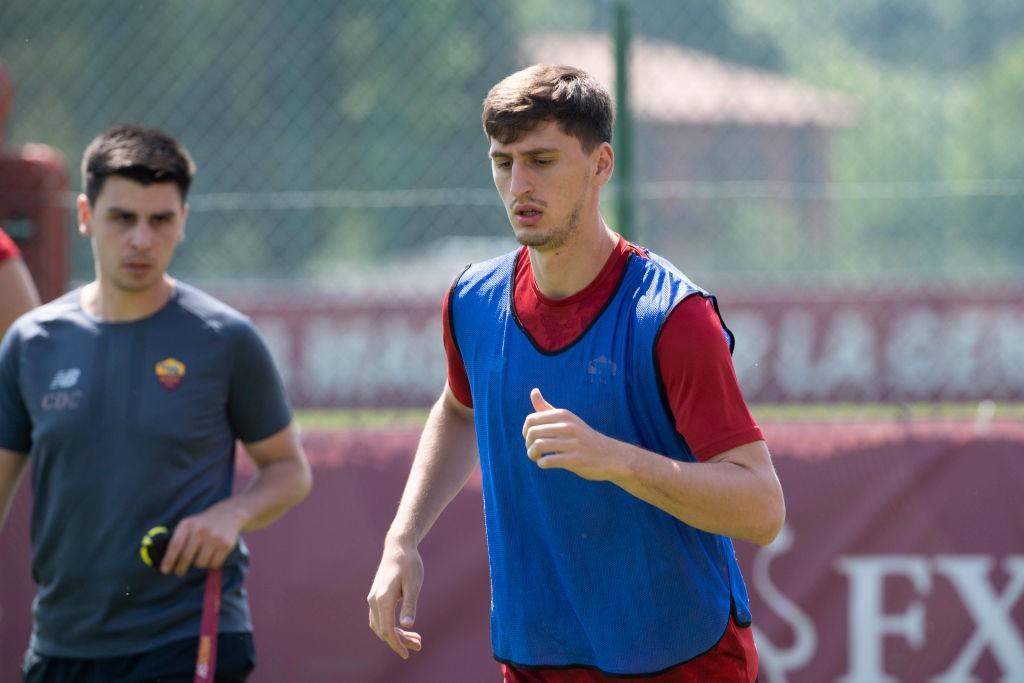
(544, 136)
(125, 193)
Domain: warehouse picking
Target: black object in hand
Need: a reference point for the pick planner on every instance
(154, 546)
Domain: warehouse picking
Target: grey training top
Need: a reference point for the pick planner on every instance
(130, 426)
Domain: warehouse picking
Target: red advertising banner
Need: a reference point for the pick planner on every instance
(879, 346)
(902, 561)
(791, 347)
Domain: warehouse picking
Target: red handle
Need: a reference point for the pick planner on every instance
(206, 659)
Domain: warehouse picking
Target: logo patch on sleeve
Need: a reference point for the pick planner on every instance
(170, 372)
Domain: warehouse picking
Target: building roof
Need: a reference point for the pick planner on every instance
(672, 84)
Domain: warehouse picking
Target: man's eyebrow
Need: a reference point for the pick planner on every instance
(118, 211)
(527, 152)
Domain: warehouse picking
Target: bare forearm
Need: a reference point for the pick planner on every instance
(445, 458)
(283, 479)
(719, 497)
(735, 493)
(275, 489)
(12, 467)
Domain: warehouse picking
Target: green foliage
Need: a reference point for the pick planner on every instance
(938, 35)
(927, 180)
(314, 116)
(987, 143)
(274, 96)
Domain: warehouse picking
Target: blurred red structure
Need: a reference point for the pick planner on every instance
(33, 182)
(901, 560)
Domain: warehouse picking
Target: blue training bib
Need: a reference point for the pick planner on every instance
(582, 572)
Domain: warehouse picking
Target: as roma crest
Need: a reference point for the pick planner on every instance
(170, 372)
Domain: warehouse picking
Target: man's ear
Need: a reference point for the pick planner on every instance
(184, 222)
(605, 158)
(84, 215)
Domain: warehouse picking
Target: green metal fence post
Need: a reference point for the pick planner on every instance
(625, 183)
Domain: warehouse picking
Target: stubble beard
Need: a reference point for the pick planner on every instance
(126, 284)
(559, 236)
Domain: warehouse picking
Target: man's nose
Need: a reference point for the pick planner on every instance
(521, 181)
(141, 236)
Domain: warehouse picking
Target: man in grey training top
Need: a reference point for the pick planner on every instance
(127, 396)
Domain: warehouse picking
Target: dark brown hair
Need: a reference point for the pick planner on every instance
(145, 155)
(579, 105)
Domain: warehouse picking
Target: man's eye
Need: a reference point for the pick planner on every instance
(544, 162)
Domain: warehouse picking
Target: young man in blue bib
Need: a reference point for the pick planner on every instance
(127, 395)
(594, 383)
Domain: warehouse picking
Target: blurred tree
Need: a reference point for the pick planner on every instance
(934, 34)
(286, 97)
(906, 203)
(987, 149)
(309, 118)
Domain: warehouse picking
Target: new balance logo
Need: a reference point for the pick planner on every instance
(65, 379)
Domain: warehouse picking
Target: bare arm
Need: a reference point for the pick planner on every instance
(12, 467)
(444, 460)
(17, 292)
(283, 479)
(735, 493)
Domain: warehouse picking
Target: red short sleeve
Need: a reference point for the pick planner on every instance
(697, 372)
(8, 249)
(458, 379)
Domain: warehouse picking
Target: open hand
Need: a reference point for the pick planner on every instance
(399, 578)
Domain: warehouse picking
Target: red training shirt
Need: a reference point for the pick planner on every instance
(696, 369)
(692, 354)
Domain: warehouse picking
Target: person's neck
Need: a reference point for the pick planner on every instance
(566, 270)
(103, 301)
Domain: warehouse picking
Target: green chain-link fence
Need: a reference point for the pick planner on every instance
(793, 147)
